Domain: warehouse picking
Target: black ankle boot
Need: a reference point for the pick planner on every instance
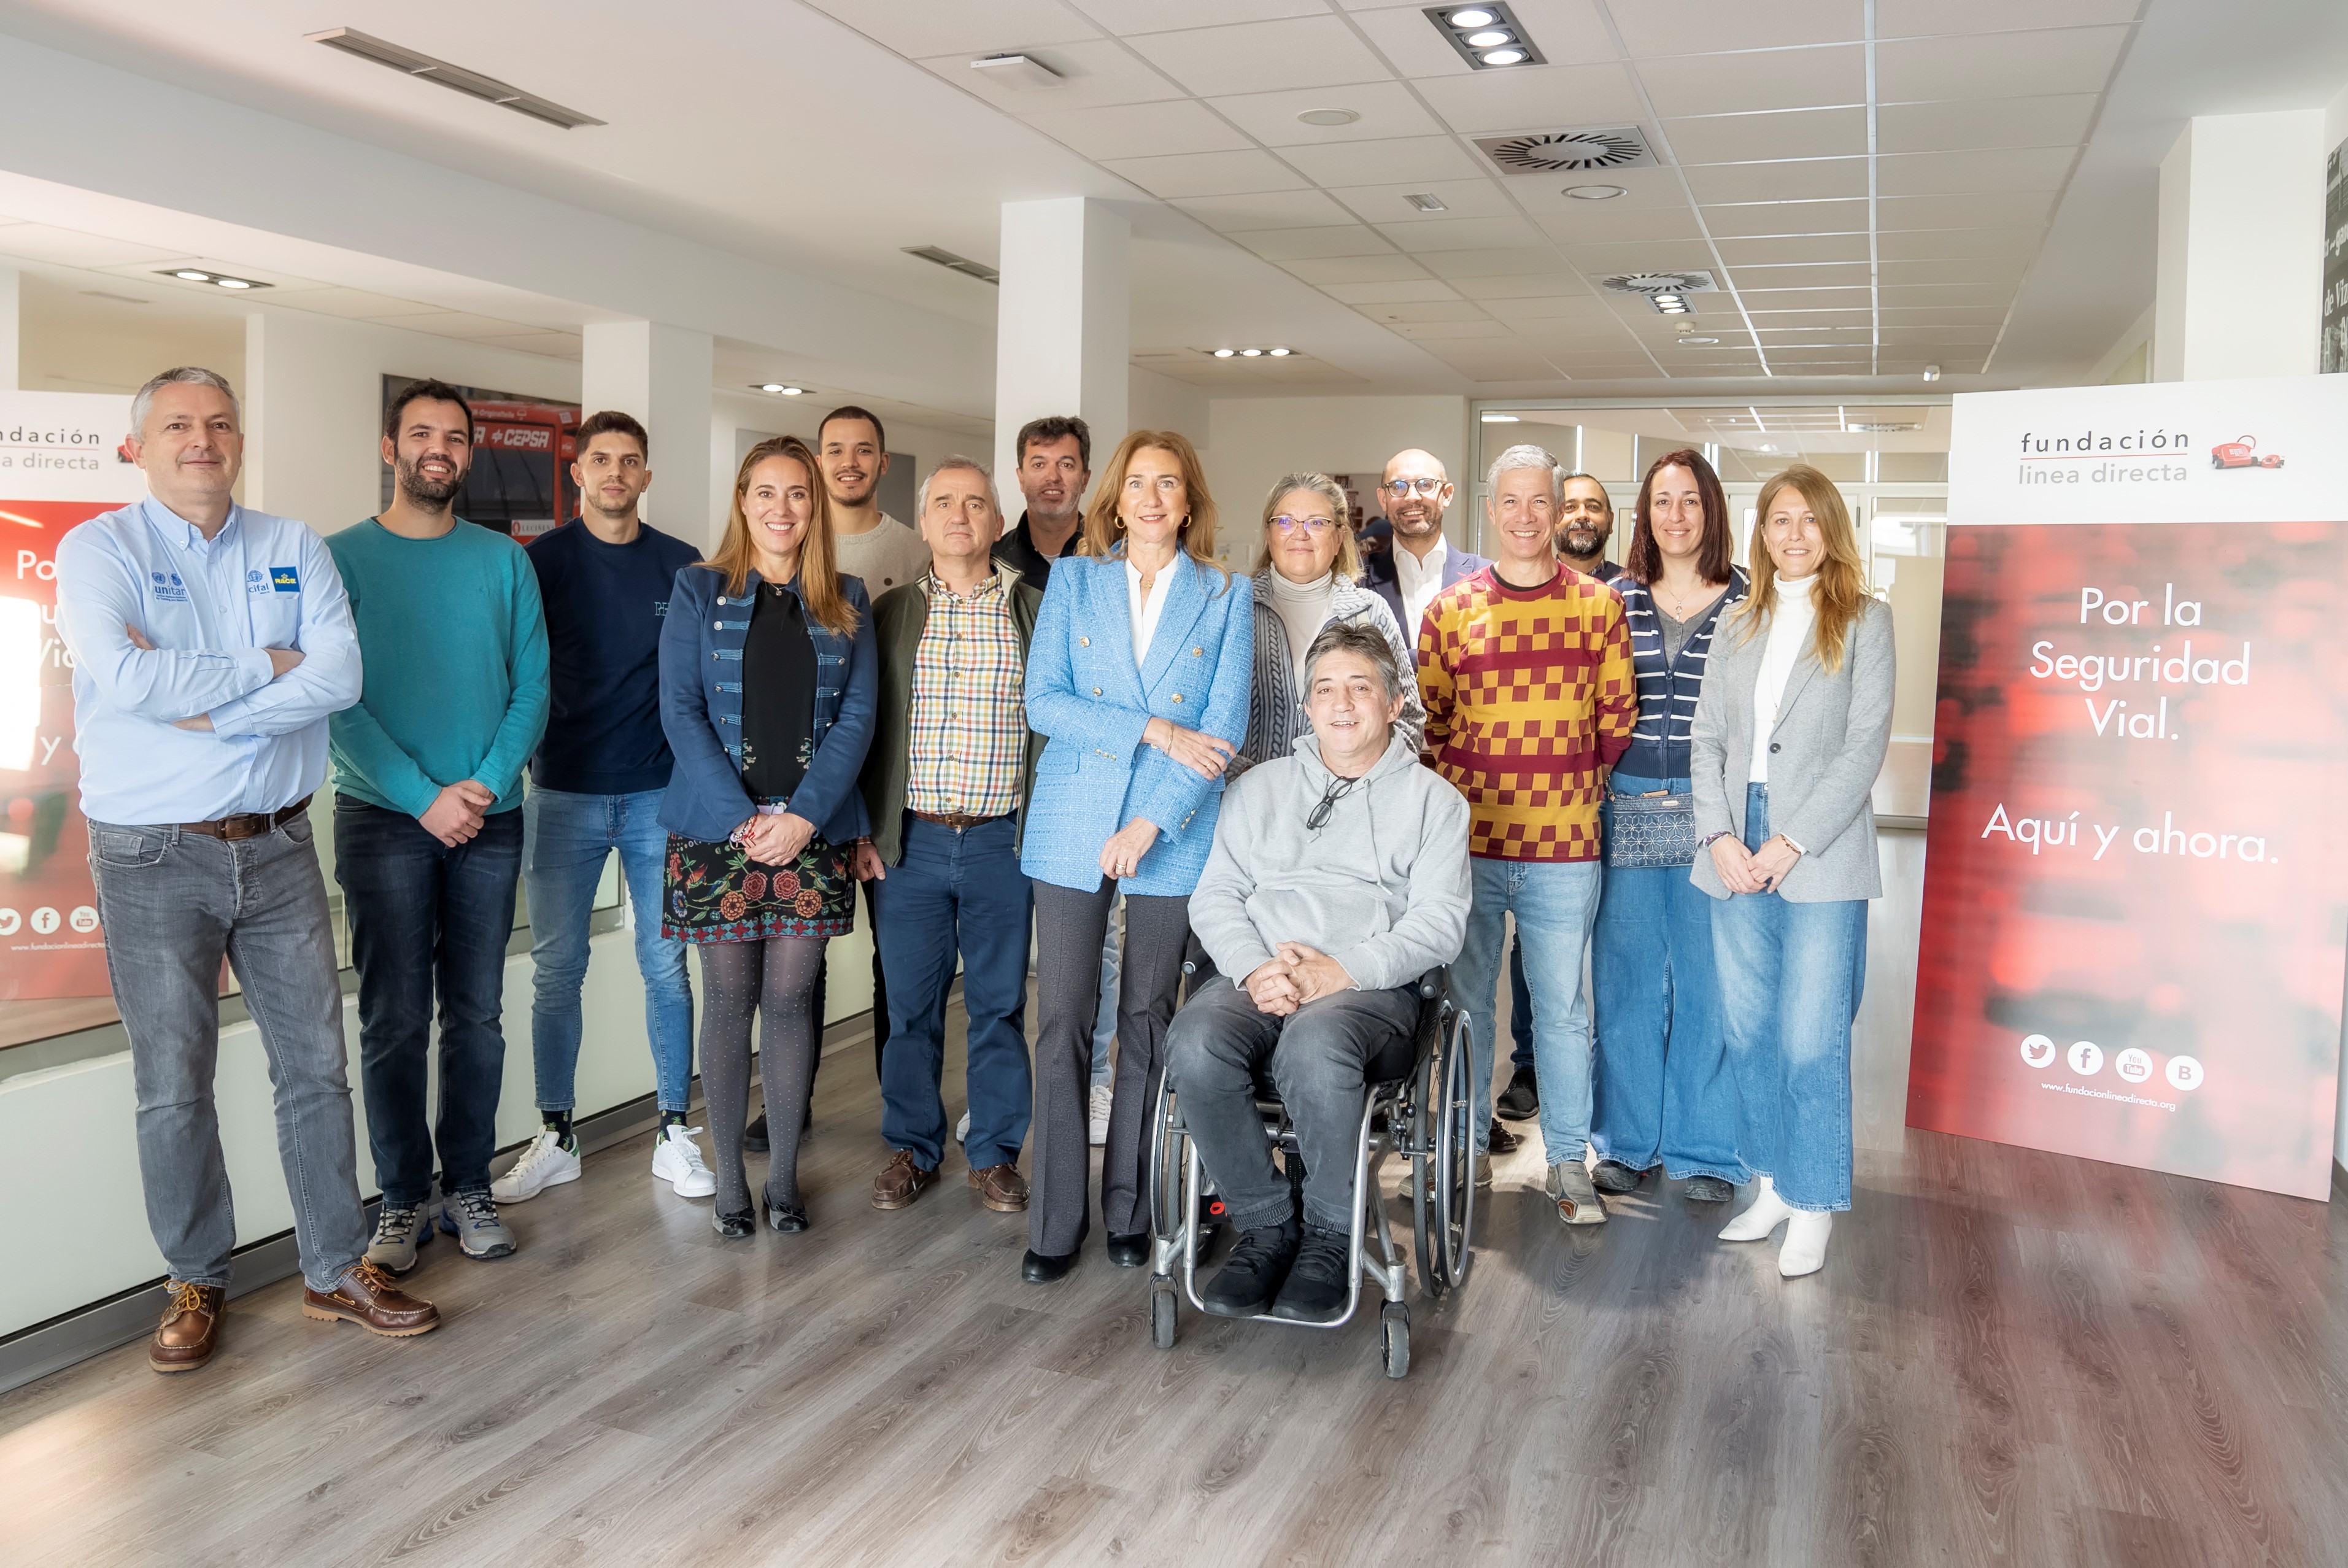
(1320, 1279)
(1251, 1277)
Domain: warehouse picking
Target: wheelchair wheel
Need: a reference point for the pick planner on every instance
(1425, 1096)
(1166, 1156)
(1161, 1317)
(1455, 1156)
(1394, 1339)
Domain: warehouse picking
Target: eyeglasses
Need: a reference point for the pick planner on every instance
(1424, 485)
(1338, 790)
(1287, 525)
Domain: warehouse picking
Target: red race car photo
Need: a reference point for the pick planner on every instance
(2241, 454)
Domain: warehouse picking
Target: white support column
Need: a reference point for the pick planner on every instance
(661, 376)
(1063, 326)
(9, 363)
(2239, 264)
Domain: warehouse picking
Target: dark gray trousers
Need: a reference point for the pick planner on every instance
(1321, 1060)
(1069, 929)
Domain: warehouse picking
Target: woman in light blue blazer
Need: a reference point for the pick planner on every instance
(1138, 674)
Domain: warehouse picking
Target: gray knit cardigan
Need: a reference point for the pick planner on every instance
(1276, 705)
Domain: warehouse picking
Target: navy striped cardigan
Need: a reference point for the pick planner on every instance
(1667, 691)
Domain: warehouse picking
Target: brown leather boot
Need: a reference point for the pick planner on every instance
(190, 1331)
(1002, 1188)
(367, 1297)
(902, 1181)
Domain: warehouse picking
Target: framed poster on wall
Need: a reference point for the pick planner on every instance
(519, 483)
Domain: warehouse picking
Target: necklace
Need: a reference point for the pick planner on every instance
(1680, 606)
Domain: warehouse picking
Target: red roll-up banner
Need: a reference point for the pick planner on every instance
(2135, 894)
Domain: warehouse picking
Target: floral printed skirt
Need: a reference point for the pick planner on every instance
(716, 892)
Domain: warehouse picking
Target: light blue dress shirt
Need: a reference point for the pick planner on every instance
(211, 608)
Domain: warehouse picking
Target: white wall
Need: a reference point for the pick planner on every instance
(2239, 252)
(732, 412)
(1252, 441)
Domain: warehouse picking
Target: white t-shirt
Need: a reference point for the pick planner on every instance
(1145, 608)
(1418, 582)
(1790, 626)
(887, 556)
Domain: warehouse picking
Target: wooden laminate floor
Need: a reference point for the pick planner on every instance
(2010, 1357)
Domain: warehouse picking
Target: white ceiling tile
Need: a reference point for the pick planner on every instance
(1408, 291)
(1208, 173)
(1788, 133)
(1642, 189)
(1497, 261)
(1993, 209)
(1765, 302)
(2000, 169)
(1744, 253)
(1383, 163)
(1982, 336)
(1687, 27)
(1639, 256)
(1387, 109)
(1563, 290)
(1967, 271)
(1128, 18)
(1445, 310)
(1384, 267)
(1094, 72)
(462, 324)
(1600, 223)
(1349, 239)
(1537, 98)
(1483, 326)
(1996, 65)
(1585, 316)
(1270, 210)
(557, 344)
(2057, 121)
(919, 28)
(1764, 277)
(1895, 296)
(1801, 179)
(1460, 234)
(1922, 244)
(1264, 57)
(1461, 199)
(1944, 315)
(1740, 84)
(1784, 320)
(355, 304)
(1788, 218)
(1934, 18)
(1139, 130)
(72, 248)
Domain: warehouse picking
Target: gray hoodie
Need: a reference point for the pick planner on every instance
(1382, 886)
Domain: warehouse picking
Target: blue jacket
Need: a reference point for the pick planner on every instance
(701, 711)
(1084, 693)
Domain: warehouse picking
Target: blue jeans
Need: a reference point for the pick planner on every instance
(1554, 902)
(568, 838)
(425, 918)
(173, 904)
(955, 892)
(1665, 1095)
(1790, 977)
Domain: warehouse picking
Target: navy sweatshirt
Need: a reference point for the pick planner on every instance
(603, 609)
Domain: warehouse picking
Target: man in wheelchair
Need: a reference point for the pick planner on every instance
(1339, 876)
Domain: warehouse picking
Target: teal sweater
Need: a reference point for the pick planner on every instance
(454, 646)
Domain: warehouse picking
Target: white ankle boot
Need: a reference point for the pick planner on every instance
(1764, 1214)
(1805, 1250)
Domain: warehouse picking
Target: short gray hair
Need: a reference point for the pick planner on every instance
(1364, 641)
(1528, 455)
(921, 501)
(180, 375)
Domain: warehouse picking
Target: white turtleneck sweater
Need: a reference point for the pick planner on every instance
(1303, 610)
(1791, 625)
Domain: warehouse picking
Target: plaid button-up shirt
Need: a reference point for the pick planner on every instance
(969, 724)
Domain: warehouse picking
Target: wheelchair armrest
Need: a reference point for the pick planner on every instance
(1431, 983)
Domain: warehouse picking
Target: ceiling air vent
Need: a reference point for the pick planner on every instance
(472, 83)
(955, 264)
(1652, 283)
(1586, 150)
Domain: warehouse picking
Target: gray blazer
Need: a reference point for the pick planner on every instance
(1832, 732)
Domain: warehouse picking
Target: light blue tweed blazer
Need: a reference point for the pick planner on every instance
(1085, 693)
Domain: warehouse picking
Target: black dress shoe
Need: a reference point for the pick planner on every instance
(785, 1217)
(1611, 1176)
(754, 1137)
(1252, 1279)
(1129, 1252)
(1521, 1101)
(1041, 1268)
(734, 1226)
(1503, 1141)
(1317, 1285)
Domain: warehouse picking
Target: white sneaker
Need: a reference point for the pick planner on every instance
(545, 1163)
(962, 1129)
(676, 1159)
(1104, 1095)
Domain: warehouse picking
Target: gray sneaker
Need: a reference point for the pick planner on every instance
(1569, 1187)
(472, 1219)
(400, 1230)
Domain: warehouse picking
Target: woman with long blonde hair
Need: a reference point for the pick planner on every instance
(1789, 735)
(768, 684)
(1138, 675)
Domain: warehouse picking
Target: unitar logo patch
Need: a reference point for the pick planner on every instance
(285, 579)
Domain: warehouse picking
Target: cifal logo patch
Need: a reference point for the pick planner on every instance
(256, 581)
(285, 579)
(2243, 454)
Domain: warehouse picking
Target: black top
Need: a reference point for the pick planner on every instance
(1018, 550)
(604, 603)
(778, 695)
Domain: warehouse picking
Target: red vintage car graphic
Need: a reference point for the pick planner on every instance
(2242, 454)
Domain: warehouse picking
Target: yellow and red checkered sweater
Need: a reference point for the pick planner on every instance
(1528, 692)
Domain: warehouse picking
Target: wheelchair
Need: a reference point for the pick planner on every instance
(1423, 1112)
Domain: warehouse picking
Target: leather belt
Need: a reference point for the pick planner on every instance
(251, 825)
(960, 821)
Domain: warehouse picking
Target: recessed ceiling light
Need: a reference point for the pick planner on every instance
(218, 279)
(192, 276)
(1593, 192)
(472, 83)
(1697, 342)
(1250, 353)
(1505, 58)
(1500, 419)
(1491, 39)
(233, 282)
(1765, 447)
(1931, 373)
(1280, 353)
(1471, 19)
(778, 388)
(955, 264)
(1329, 116)
(1225, 353)
(1428, 202)
(1014, 71)
(1484, 35)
